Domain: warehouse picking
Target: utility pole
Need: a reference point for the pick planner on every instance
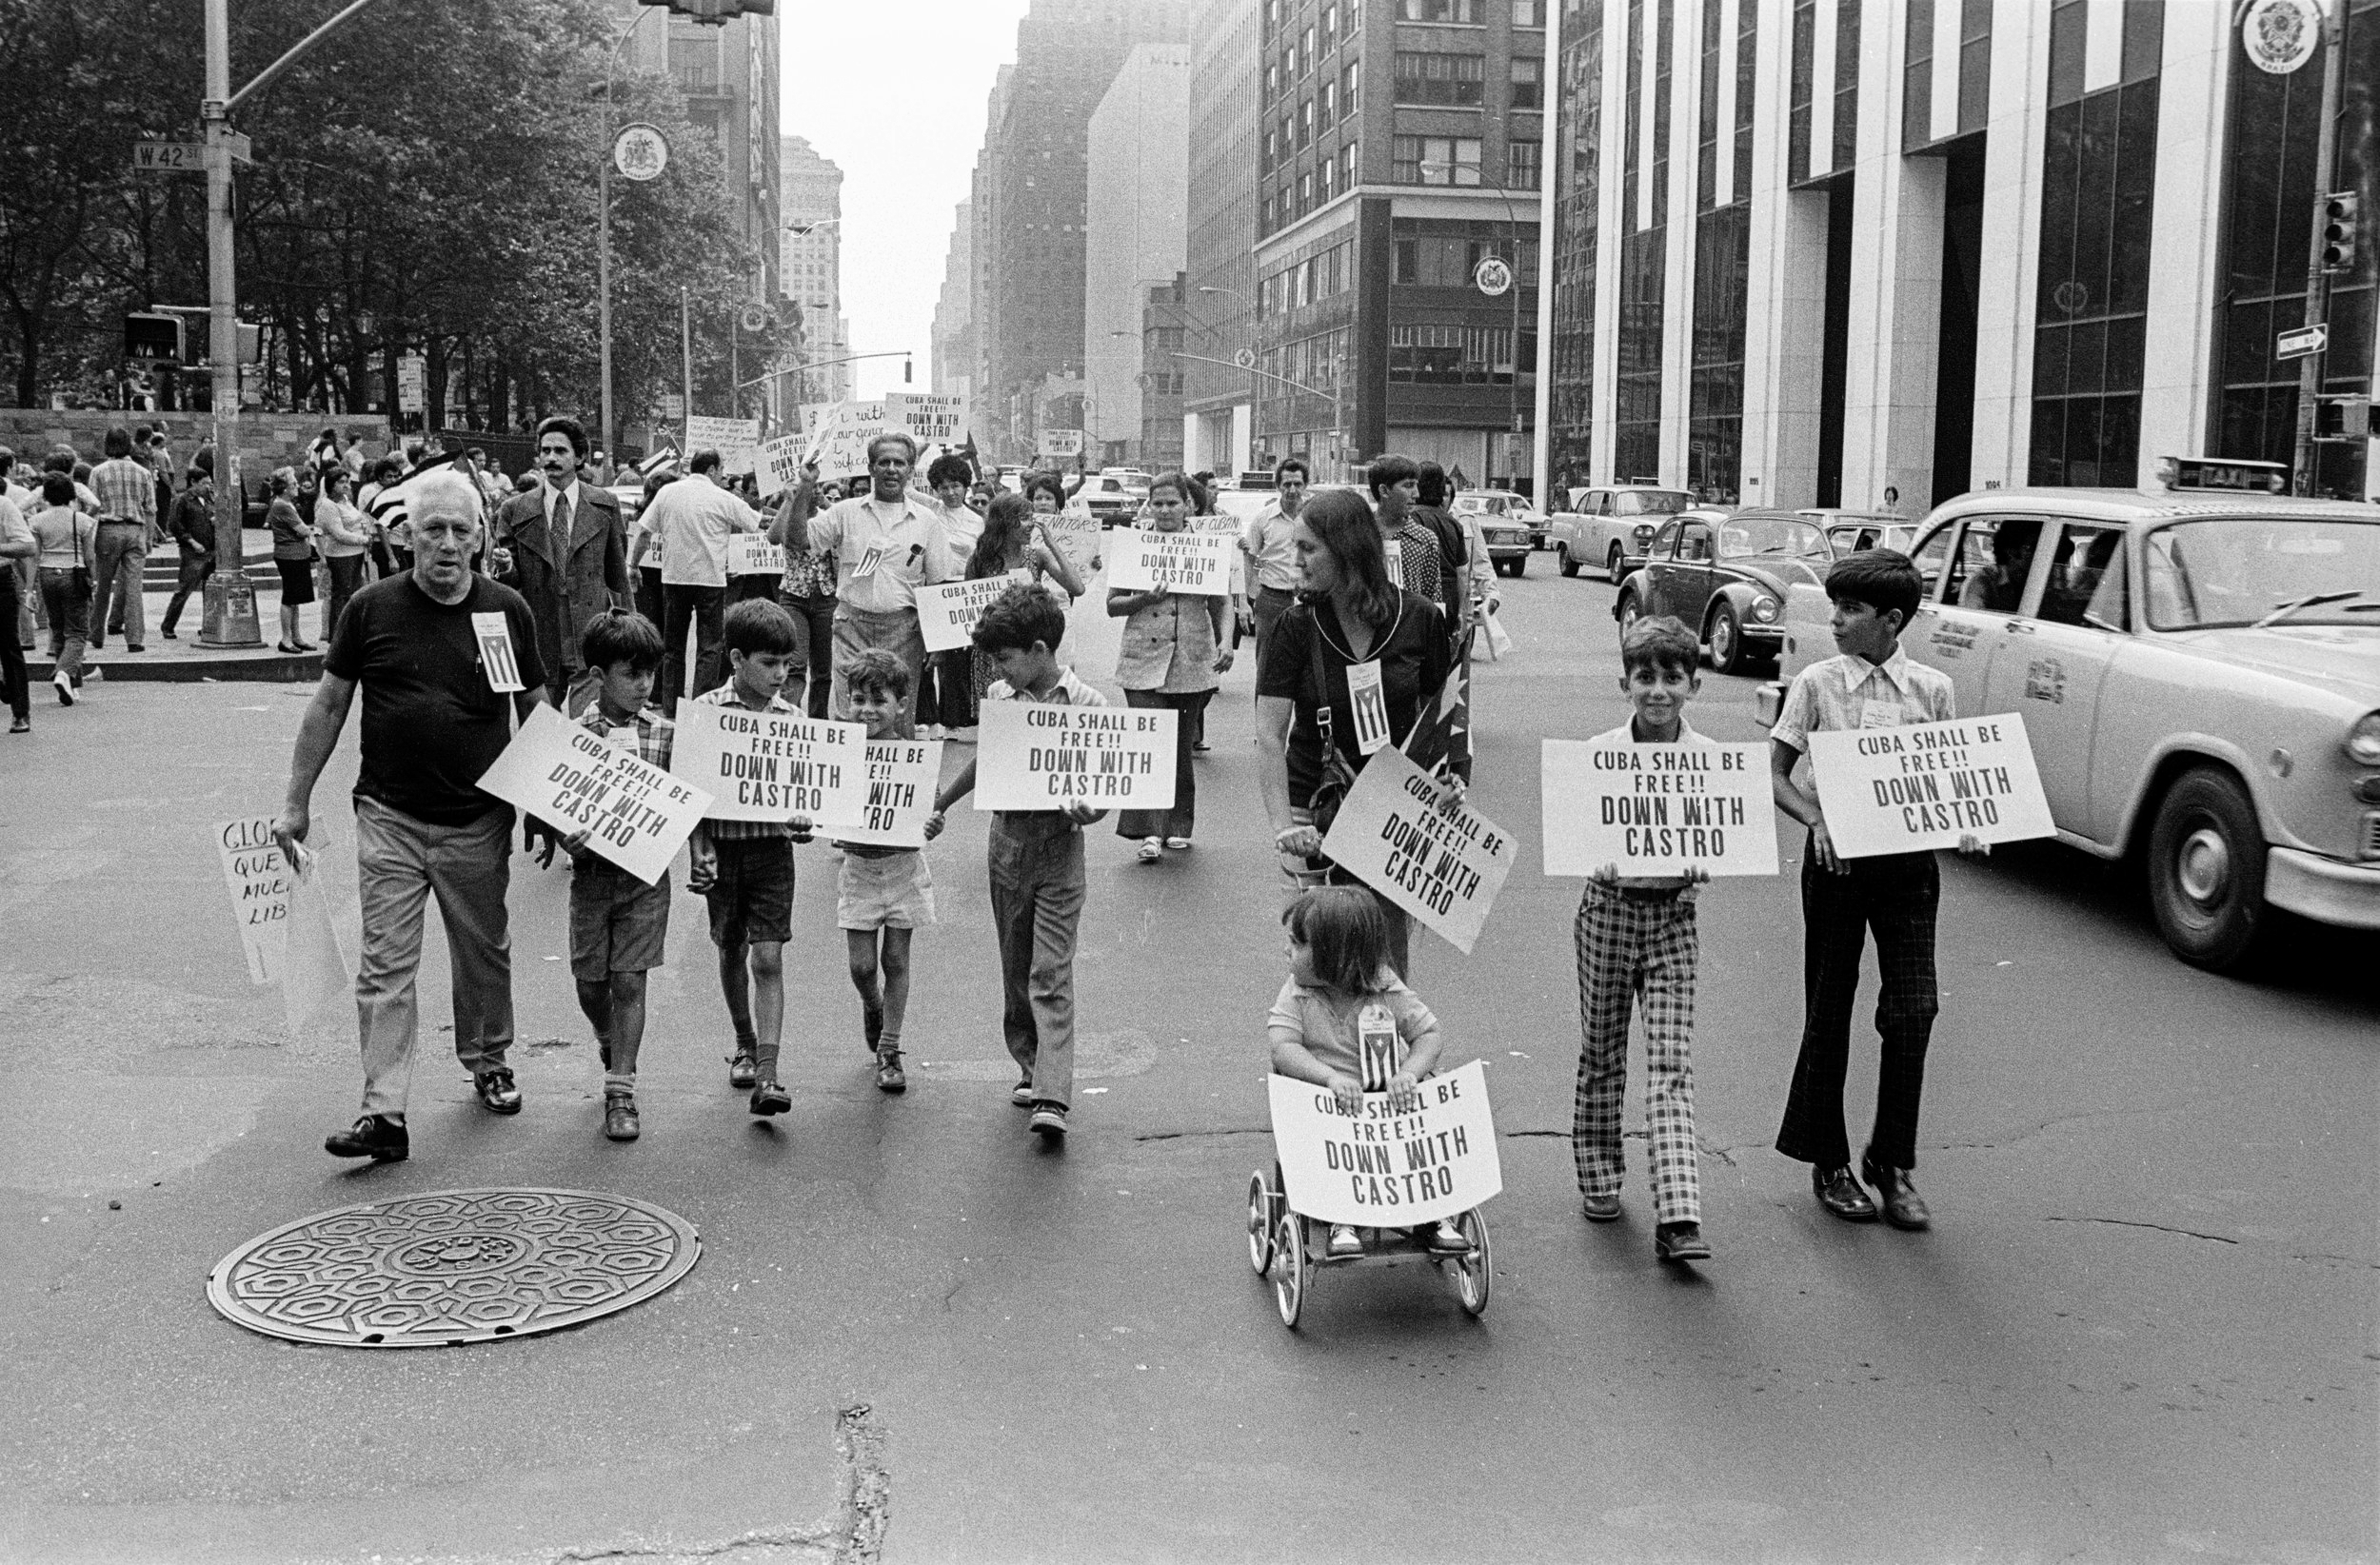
(685, 355)
(2317, 279)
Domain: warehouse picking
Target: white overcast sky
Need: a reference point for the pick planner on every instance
(895, 93)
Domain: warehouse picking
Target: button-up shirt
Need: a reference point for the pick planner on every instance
(1267, 542)
(1846, 692)
(912, 544)
(126, 490)
(693, 518)
(568, 499)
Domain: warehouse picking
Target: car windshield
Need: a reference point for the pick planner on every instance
(1650, 502)
(1772, 535)
(2235, 570)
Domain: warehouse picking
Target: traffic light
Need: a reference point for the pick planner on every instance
(2341, 218)
(904, 371)
(717, 13)
(157, 336)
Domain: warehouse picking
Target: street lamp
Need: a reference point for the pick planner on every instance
(603, 221)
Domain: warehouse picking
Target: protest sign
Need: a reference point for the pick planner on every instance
(928, 420)
(1228, 528)
(636, 814)
(946, 613)
(317, 980)
(1079, 534)
(1657, 809)
(737, 441)
(1194, 563)
(1442, 866)
(1904, 789)
(902, 777)
(1061, 442)
(835, 434)
(772, 765)
(257, 874)
(1038, 756)
(1380, 1169)
(780, 465)
(752, 554)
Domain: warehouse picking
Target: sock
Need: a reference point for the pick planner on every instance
(618, 1082)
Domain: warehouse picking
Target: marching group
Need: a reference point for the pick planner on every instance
(1349, 599)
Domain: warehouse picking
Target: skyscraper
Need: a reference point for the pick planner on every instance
(1138, 142)
(811, 268)
(953, 356)
(1218, 302)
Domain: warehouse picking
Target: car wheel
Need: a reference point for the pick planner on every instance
(1561, 557)
(2206, 870)
(1521, 566)
(1727, 642)
(1629, 611)
(1611, 564)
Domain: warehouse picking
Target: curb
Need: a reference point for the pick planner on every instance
(230, 668)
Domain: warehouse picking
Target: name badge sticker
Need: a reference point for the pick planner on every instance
(1879, 714)
(495, 653)
(1370, 700)
(1396, 551)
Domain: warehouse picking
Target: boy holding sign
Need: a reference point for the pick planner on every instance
(1636, 935)
(1035, 863)
(1871, 683)
(882, 892)
(748, 866)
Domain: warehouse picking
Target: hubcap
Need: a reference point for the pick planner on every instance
(1722, 638)
(2204, 865)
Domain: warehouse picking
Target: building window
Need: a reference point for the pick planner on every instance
(1435, 159)
(1528, 13)
(1450, 355)
(1348, 80)
(1522, 164)
(1305, 51)
(1528, 82)
(1272, 83)
(1438, 10)
(1303, 275)
(1268, 214)
(1457, 81)
(1325, 168)
(1305, 123)
(1305, 192)
(1330, 26)
(694, 64)
(1347, 167)
(1330, 101)
(1272, 151)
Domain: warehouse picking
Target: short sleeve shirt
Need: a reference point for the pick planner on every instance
(14, 528)
(1330, 1026)
(909, 540)
(1848, 692)
(1068, 691)
(1415, 659)
(1267, 540)
(694, 518)
(431, 724)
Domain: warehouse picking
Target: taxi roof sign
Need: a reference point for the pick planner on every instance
(2224, 477)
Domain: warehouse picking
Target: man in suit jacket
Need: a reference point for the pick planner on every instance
(561, 546)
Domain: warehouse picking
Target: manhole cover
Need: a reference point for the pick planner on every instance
(453, 1266)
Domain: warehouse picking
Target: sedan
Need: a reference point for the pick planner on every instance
(1724, 575)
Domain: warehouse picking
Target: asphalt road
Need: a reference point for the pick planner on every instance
(2141, 1329)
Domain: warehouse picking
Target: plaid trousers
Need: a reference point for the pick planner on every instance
(1630, 949)
(1897, 896)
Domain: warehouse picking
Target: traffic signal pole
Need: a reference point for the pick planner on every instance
(2317, 275)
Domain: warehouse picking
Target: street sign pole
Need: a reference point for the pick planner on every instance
(221, 619)
(2317, 280)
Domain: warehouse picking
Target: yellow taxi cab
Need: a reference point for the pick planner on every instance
(2198, 668)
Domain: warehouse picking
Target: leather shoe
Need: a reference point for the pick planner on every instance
(374, 1136)
(768, 1098)
(1602, 1208)
(1840, 1194)
(619, 1123)
(497, 1091)
(889, 1075)
(743, 1070)
(1680, 1241)
(1903, 1207)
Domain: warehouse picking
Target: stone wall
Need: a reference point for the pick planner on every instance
(266, 441)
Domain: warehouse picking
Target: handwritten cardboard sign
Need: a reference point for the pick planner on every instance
(1925, 785)
(257, 874)
(1442, 866)
(637, 814)
(1657, 809)
(1078, 533)
(1196, 564)
(752, 554)
(737, 441)
(947, 612)
(1038, 756)
(902, 777)
(1379, 1169)
(1229, 528)
(772, 765)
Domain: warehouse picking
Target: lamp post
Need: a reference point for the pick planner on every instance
(603, 221)
(1248, 305)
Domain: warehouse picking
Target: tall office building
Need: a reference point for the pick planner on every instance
(1135, 191)
(952, 359)
(1218, 299)
(1030, 208)
(1808, 250)
(810, 244)
(1401, 144)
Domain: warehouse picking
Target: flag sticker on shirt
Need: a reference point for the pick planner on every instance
(495, 653)
(1364, 693)
(871, 560)
(1396, 551)
(1377, 1046)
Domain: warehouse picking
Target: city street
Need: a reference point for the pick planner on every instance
(2141, 1328)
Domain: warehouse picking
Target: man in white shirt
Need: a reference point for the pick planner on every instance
(20, 632)
(887, 543)
(694, 518)
(1272, 558)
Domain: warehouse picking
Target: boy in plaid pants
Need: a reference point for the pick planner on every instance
(1637, 938)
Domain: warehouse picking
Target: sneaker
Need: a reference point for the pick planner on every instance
(1021, 1094)
(743, 1070)
(1048, 1121)
(168, 635)
(889, 1075)
(1680, 1241)
(22, 725)
(620, 1124)
(1177, 842)
(66, 691)
(768, 1098)
(379, 1137)
(872, 1025)
(1345, 1241)
(1152, 849)
(1447, 1239)
(496, 1091)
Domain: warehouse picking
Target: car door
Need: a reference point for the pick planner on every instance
(1687, 585)
(1656, 559)
(2052, 665)
(1949, 632)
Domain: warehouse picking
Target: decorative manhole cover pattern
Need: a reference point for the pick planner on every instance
(453, 1266)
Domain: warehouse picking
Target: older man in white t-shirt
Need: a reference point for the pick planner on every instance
(887, 543)
(694, 518)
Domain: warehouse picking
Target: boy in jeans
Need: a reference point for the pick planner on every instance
(748, 865)
(1636, 937)
(1871, 683)
(1035, 863)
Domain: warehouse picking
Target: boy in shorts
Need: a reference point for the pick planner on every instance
(749, 866)
(880, 893)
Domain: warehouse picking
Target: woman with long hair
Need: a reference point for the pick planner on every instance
(292, 556)
(345, 544)
(1352, 627)
(1016, 537)
(1175, 650)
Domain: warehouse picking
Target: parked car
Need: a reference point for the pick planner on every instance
(2199, 674)
(1725, 575)
(1605, 525)
(1111, 499)
(1502, 505)
(1848, 532)
(1509, 544)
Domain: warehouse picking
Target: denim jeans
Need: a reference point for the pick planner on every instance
(123, 555)
(813, 650)
(69, 622)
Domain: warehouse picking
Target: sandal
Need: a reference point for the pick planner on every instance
(1152, 849)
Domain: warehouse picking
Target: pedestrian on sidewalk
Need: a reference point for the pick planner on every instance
(293, 557)
(69, 544)
(693, 519)
(191, 525)
(433, 726)
(16, 544)
(346, 543)
(567, 554)
(1172, 656)
(127, 515)
(886, 543)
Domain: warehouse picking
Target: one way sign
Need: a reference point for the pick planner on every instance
(2297, 344)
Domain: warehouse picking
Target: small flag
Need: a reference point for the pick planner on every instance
(389, 508)
(1441, 734)
(660, 461)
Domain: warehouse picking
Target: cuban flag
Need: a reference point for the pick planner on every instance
(1441, 733)
(660, 461)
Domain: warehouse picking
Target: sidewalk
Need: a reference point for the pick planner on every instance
(185, 660)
